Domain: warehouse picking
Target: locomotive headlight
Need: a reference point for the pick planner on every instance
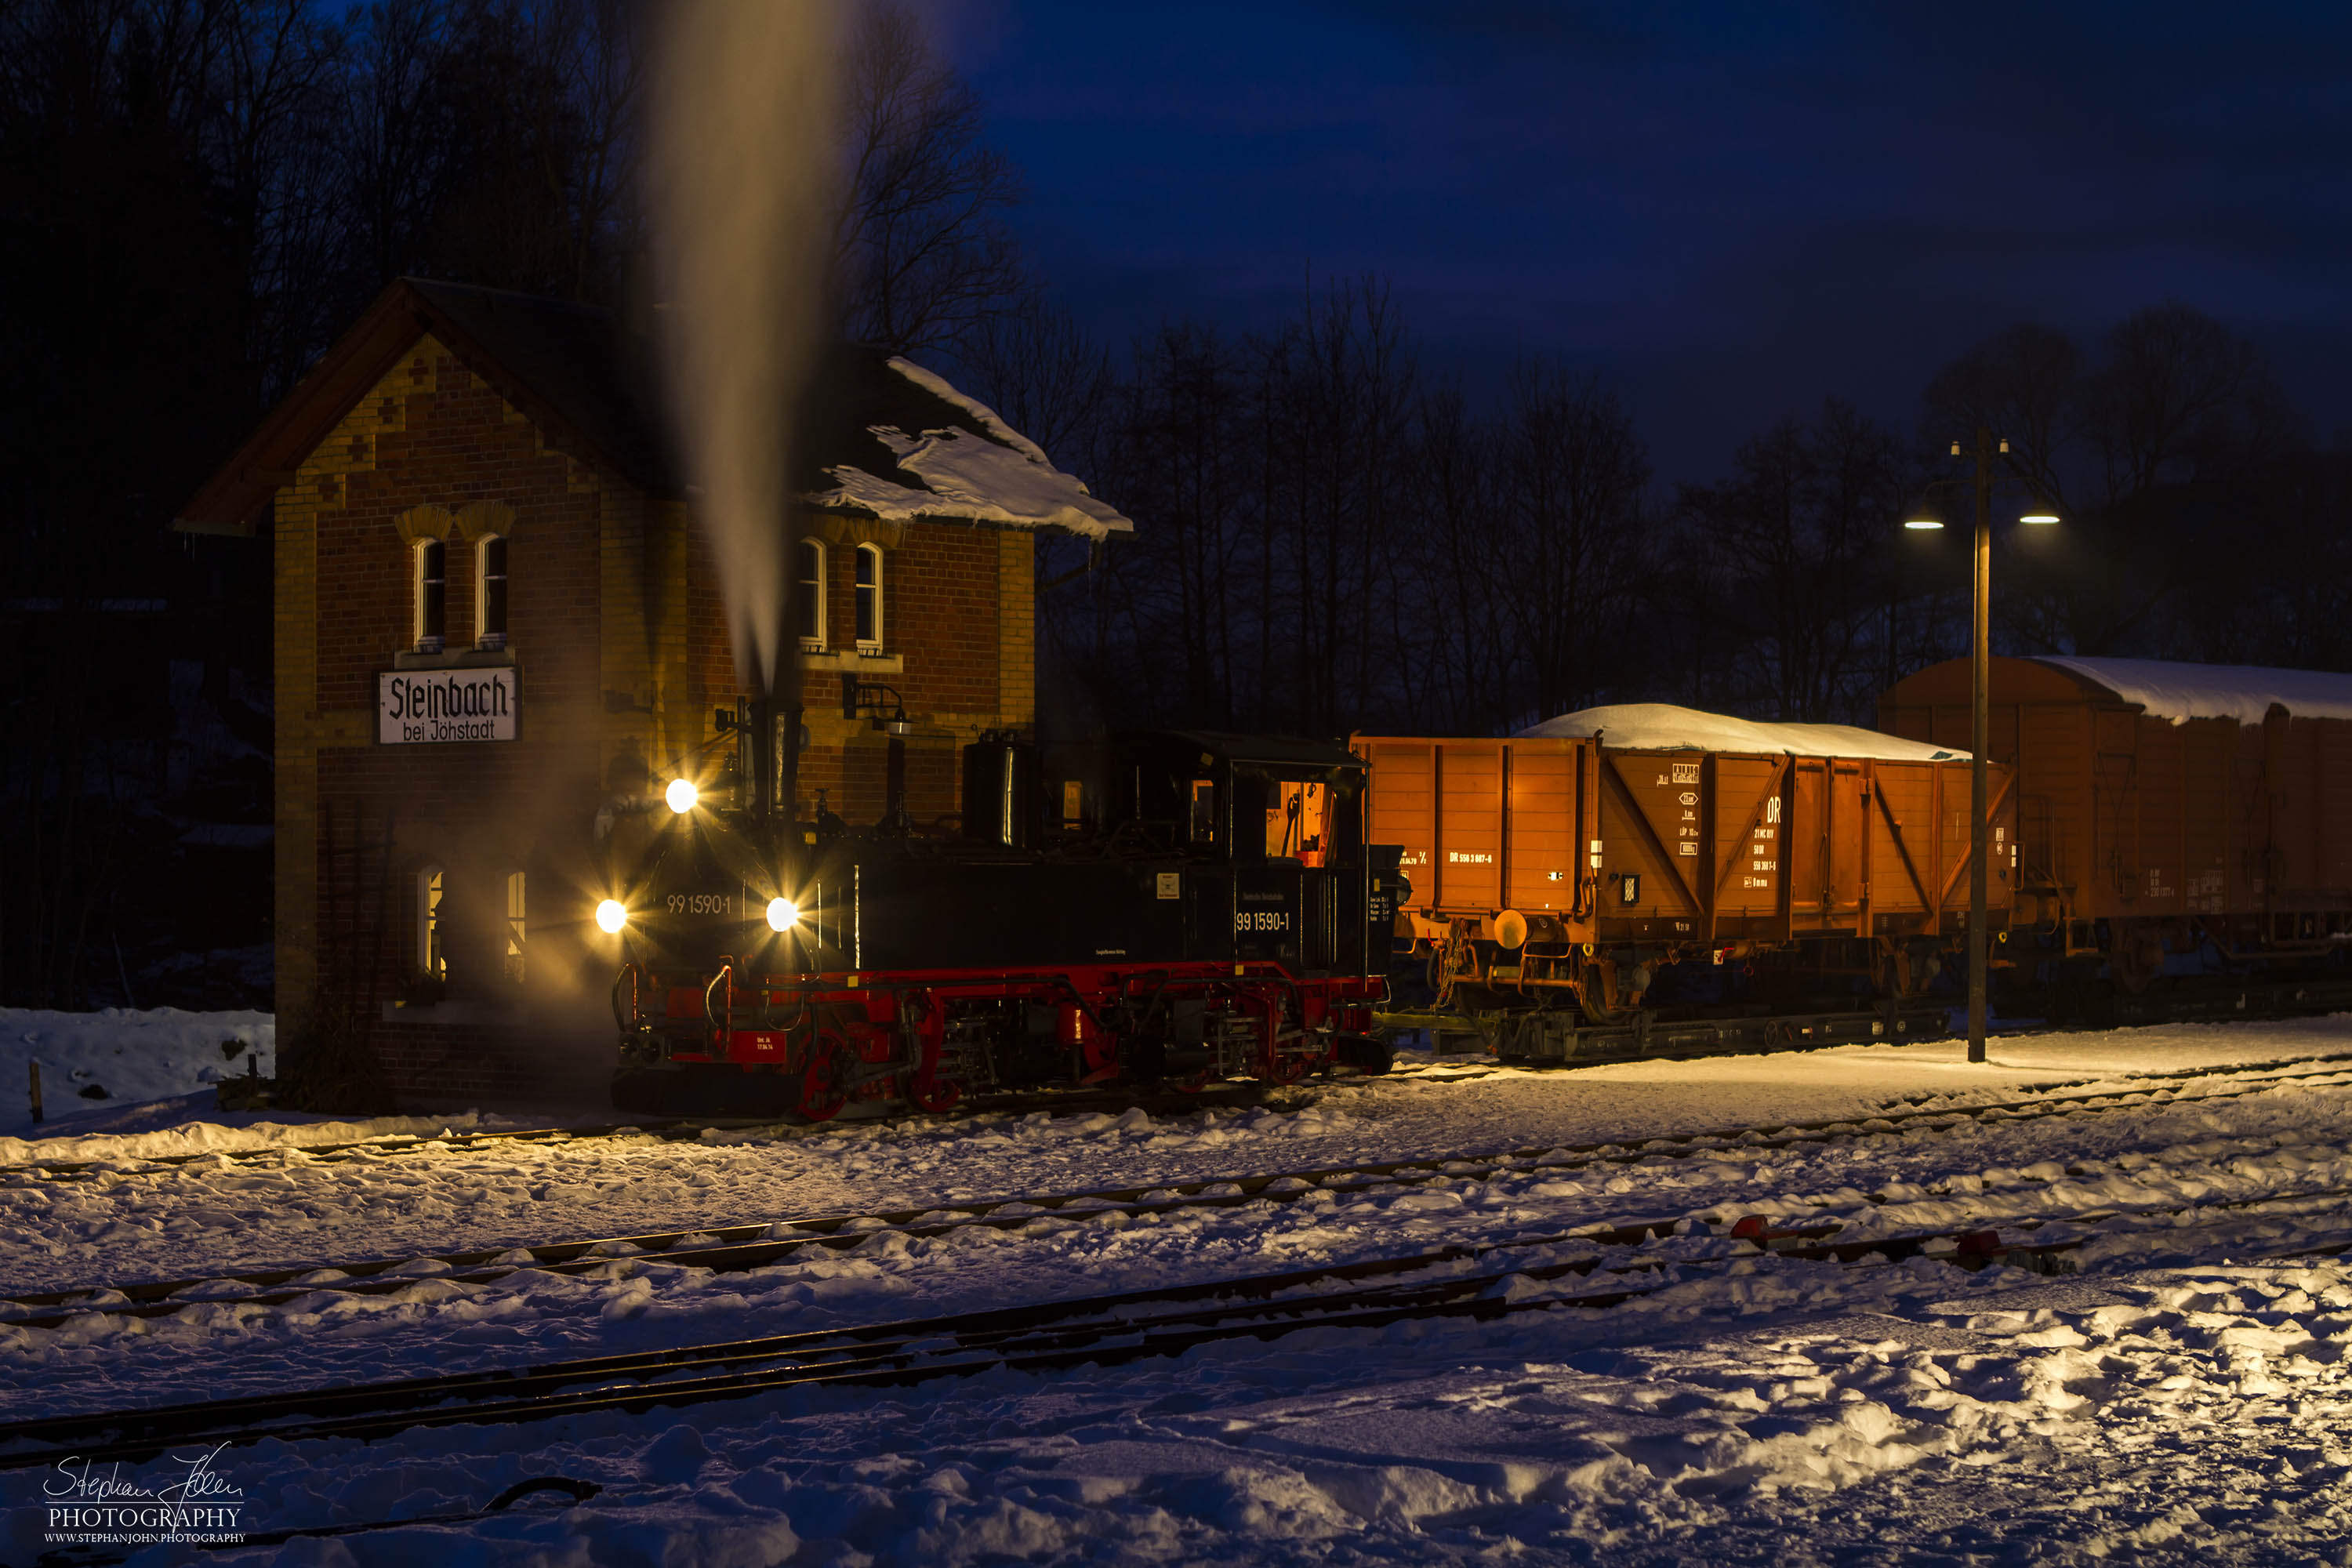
(611, 916)
(783, 914)
(681, 795)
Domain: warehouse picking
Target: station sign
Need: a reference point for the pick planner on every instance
(427, 706)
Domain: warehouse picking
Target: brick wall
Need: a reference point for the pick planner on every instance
(617, 628)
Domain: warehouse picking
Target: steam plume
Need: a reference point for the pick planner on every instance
(741, 166)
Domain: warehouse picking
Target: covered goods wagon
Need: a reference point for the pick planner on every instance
(2170, 815)
(1603, 855)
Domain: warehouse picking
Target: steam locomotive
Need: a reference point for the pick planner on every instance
(1202, 906)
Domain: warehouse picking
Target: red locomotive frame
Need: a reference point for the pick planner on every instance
(884, 1036)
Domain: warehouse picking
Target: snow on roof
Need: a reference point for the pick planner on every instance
(1662, 727)
(997, 476)
(989, 420)
(2179, 693)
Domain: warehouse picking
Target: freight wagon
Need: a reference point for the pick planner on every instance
(1628, 856)
(2171, 816)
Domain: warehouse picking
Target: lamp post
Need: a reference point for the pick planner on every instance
(1979, 704)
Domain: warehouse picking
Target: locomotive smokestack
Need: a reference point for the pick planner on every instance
(772, 732)
(763, 743)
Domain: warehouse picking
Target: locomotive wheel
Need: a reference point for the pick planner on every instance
(822, 1096)
(933, 1093)
(1287, 1069)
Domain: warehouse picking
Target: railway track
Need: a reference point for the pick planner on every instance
(1479, 1280)
(757, 1243)
(1238, 1095)
(1556, 1037)
(1514, 1039)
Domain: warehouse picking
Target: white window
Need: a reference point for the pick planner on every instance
(514, 927)
(432, 595)
(490, 592)
(870, 598)
(430, 960)
(809, 596)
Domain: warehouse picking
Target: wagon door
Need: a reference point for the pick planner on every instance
(1807, 851)
(1469, 846)
(1653, 830)
(1847, 881)
(1750, 802)
(1403, 806)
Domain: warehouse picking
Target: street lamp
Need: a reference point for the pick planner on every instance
(1926, 517)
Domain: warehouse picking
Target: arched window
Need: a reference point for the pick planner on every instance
(870, 598)
(432, 594)
(514, 927)
(810, 608)
(490, 592)
(430, 959)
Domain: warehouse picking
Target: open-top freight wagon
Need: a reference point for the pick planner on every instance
(2172, 818)
(1629, 859)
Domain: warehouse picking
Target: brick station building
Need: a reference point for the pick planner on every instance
(495, 617)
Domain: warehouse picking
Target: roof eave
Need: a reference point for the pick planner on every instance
(240, 489)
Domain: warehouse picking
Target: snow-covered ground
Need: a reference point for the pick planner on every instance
(2180, 1399)
(98, 1062)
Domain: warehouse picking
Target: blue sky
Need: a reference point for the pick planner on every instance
(1725, 212)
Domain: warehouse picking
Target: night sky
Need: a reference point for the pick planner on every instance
(1726, 212)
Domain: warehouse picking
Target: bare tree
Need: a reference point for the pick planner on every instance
(2162, 455)
(922, 250)
(1037, 367)
(1455, 652)
(1805, 524)
(1573, 530)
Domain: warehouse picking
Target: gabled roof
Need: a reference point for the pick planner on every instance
(883, 436)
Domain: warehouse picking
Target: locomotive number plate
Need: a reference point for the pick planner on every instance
(1262, 919)
(702, 903)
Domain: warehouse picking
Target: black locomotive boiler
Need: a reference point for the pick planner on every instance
(1198, 905)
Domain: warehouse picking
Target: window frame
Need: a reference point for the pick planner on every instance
(486, 637)
(812, 590)
(428, 631)
(868, 552)
(432, 890)
(515, 953)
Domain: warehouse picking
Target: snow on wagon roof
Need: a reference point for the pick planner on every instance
(1662, 727)
(2170, 689)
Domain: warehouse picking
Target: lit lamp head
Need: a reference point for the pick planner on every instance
(783, 914)
(611, 916)
(2039, 511)
(681, 795)
(1924, 518)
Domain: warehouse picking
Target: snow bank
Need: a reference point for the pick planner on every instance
(2192, 1415)
(2179, 693)
(2193, 1407)
(263, 1129)
(110, 1059)
(1662, 727)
